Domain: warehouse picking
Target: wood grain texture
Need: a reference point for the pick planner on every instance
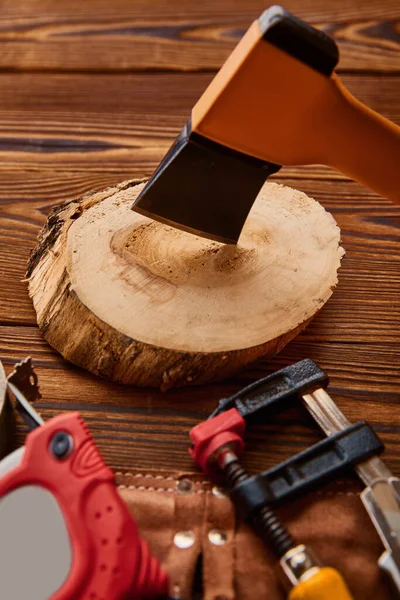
(126, 35)
(115, 123)
(146, 428)
(62, 134)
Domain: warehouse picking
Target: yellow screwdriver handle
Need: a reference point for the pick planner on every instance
(326, 584)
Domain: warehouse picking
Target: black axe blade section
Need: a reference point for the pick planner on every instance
(204, 188)
(208, 189)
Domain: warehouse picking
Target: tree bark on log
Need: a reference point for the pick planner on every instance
(142, 303)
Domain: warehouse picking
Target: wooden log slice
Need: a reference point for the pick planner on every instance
(139, 302)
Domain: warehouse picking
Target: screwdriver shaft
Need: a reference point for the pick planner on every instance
(32, 417)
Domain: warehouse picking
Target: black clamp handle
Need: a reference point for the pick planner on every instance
(307, 470)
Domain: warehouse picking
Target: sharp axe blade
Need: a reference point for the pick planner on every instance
(204, 188)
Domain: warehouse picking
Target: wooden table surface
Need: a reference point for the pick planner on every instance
(93, 92)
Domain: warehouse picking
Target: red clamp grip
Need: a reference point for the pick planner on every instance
(109, 560)
(226, 429)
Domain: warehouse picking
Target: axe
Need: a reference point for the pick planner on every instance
(276, 101)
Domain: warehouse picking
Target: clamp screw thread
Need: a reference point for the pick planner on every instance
(274, 532)
(235, 473)
(265, 520)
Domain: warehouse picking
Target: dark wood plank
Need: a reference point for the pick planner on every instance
(147, 429)
(122, 123)
(168, 34)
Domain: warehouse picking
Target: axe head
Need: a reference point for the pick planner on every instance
(204, 187)
(207, 182)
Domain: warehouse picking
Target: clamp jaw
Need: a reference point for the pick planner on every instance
(301, 473)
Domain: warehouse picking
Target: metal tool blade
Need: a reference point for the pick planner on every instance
(29, 415)
(23, 383)
(204, 188)
(25, 379)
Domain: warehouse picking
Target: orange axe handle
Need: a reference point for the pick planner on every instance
(362, 144)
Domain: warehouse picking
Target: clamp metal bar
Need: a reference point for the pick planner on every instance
(381, 497)
(275, 391)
